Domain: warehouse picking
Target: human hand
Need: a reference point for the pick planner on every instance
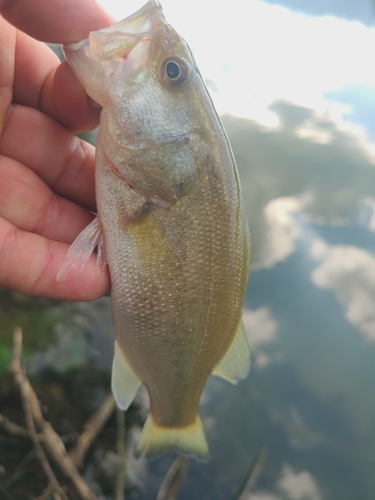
(47, 189)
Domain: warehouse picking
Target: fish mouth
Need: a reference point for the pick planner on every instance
(115, 42)
(143, 20)
(120, 50)
(118, 40)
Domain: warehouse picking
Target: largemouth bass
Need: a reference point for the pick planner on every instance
(170, 225)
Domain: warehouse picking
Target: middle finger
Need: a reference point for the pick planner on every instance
(28, 203)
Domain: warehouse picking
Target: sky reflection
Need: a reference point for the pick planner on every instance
(261, 52)
(295, 86)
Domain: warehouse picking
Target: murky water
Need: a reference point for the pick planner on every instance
(309, 314)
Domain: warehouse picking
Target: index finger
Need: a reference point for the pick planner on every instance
(35, 77)
(56, 21)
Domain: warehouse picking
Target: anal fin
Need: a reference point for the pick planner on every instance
(235, 365)
(124, 382)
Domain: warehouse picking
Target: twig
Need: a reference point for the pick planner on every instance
(19, 470)
(252, 475)
(121, 467)
(17, 431)
(4, 494)
(173, 479)
(25, 394)
(12, 428)
(52, 441)
(91, 429)
(48, 491)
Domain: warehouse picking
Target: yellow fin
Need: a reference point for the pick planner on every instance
(235, 365)
(155, 440)
(124, 382)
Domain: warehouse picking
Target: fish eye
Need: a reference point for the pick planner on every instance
(175, 71)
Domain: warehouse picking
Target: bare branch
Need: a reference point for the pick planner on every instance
(173, 479)
(120, 476)
(91, 429)
(12, 428)
(19, 470)
(24, 387)
(52, 441)
(252, 475)
(5, 493)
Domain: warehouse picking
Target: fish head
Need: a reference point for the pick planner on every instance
(142, 73)
(155, 114)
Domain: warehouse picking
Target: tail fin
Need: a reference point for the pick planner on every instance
(155, 440)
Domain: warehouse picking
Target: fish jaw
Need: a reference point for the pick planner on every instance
(125, 65)
(82, 63)
(106, 51)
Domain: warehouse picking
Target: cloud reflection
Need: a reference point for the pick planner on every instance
(262, 496)
(292, 486)
(281, 231)
(298, 485)
(349, 272)
(308, 165)
(260, 329)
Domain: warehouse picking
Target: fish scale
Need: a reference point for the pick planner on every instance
(171, 216)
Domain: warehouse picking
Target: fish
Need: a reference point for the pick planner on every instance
(170, 225)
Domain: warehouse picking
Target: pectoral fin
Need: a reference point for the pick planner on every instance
(124, 382)
(81, 249)
(235, 365)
